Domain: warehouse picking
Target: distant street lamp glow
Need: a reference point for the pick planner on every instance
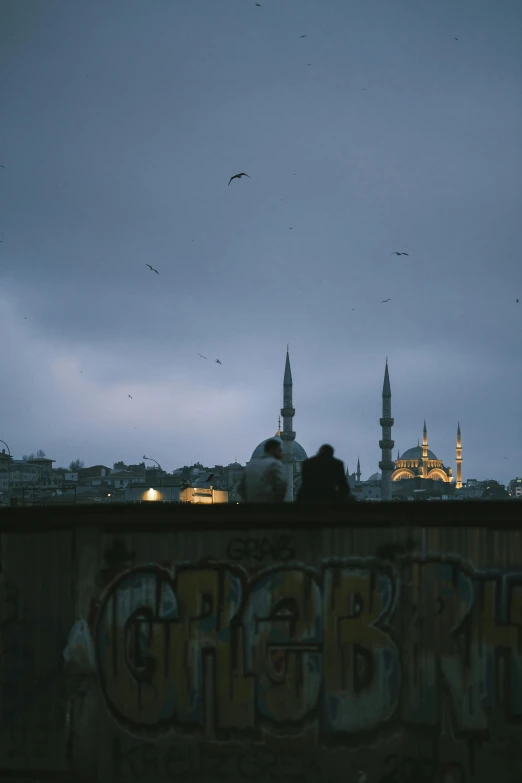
(151, 459)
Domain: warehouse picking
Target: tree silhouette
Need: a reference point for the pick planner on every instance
(40, 454)
(495, 491)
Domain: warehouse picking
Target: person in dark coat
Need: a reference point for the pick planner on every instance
(323, 479)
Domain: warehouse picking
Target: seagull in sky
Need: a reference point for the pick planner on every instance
(396, 253)
(302, 36)
(2, 167)
(238, 176)
(517, 300)
(203, 357)
(128, 395)
(217, 361)
(386, 300)
(152, 269)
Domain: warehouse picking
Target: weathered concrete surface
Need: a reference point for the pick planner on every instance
(282, 646)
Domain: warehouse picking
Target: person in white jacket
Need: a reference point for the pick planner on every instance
(265, 480)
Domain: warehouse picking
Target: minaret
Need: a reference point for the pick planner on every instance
(424, 451)
(288, 435)
(458, 485)
(386, 444)
(358, 474)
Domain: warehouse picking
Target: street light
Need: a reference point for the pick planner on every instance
(151, 459)
(8, 467)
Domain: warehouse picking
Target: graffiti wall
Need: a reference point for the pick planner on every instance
(273, 656)
(351, 647)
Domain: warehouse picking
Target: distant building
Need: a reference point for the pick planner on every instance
(119, 479)
(203, 490)
(421, 461)
(224, 477)
(95, 471)
(205, 495)
(371, 488)
(418, 464)
(515, 488)
(145, 493)
(19, 473)
(44, 467)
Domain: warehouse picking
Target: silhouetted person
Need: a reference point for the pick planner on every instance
(324, 479)
(265, 480)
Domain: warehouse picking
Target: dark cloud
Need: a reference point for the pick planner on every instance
(122, 125)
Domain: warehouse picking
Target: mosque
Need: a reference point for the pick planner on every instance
(414, 464)
(293, 453)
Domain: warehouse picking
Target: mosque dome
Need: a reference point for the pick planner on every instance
(416, 453)
(298, 452)
(375, 477)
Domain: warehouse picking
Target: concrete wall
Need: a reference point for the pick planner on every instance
(274, 644)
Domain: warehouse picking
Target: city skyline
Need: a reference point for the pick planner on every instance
(398, 451)
(377, 133)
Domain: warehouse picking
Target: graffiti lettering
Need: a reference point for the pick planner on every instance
(205, 649)
(258, 549)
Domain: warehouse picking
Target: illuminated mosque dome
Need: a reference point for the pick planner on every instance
(422, 462)
(416, 453)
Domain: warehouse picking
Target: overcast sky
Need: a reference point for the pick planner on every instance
(121, 124)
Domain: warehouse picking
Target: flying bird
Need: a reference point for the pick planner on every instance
(456, 39)
(128, 395)
(152, 269)
(396, 253)
(302, 36)
(217, 361)
(517, 300)
(258, 5)
(2, 167)
(203, 357)
(238, 176)
(386, 300)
